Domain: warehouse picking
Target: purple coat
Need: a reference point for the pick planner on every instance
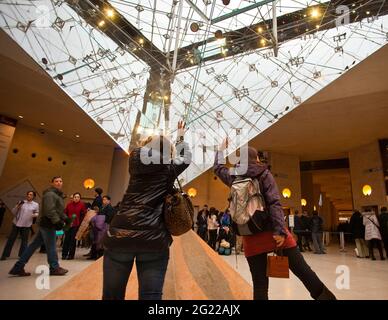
(99, 229)
(268, 188)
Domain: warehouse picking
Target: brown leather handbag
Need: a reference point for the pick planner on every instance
(178, 211)
(277, 265)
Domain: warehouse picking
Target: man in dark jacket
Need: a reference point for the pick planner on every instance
(51, 218)
(202, 223)
(357, 229)
(107, 210)
(97, 202)
(317, 233)
(298, 230)
(384, 227)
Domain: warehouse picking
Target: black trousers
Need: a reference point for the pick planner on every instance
(385, 241)
(70, 243)
(298, 266)
(375, 243)
(213, 238)
(24, 233)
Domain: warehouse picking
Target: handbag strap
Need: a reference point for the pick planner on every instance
(176, 177)
(378, 227)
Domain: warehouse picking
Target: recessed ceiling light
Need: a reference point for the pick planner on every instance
(21, 117)
(42, 123)
(60, 130)
(77, 136)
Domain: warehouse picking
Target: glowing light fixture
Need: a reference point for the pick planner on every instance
(303, 202)
(192, 192)
(101, 23)
(89, 184)
(286, 193)
(110, 12)
(367, 190)
(315, 13)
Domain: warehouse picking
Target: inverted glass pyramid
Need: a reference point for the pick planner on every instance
(220, 87)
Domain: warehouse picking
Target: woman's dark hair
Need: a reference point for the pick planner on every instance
(77, 193)
(54, 178)
(99, 191)
(107, 197)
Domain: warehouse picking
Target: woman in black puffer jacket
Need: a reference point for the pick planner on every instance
(138, 231)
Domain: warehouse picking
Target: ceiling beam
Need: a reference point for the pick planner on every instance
(239, 11)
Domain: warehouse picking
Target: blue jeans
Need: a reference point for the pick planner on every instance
(49, 239)
(151, 269)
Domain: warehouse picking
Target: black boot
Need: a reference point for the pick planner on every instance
(326, 294)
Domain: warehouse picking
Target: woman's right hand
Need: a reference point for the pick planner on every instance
(224, 145)
(181, 128)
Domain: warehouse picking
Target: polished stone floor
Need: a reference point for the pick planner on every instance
(367, 279)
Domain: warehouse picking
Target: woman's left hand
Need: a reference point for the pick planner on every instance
(279, 240)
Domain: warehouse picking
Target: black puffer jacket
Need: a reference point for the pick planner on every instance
(138, 226)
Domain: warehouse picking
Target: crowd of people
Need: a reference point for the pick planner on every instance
(76, 224)
(369, 230)
(215, 228)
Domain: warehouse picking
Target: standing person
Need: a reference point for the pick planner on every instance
(372, 233)
(2, 212)
(305, 221)
(316, 224)
(76, 211)
(384, 227)
(202, 224)
(138, 230)
(25, 211)
(226, 219)
(357, 229)
(212, 227)
(275, 234)
(107, 210)
(298, 230)
(51, 218)
(97, 202)
(99, 227)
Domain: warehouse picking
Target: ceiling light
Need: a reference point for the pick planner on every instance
(110, 12)
(317, 26)
(141, 41)
(42, 123)
(315, 13)
(77, 136)
(101, 23)
(60, 130)
(263, 42)
(260, 30)
(21, 117)
(368, 12)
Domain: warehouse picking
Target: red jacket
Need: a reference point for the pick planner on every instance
(79, 209)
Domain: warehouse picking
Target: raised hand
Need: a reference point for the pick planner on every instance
(224, 145)
(181, 128)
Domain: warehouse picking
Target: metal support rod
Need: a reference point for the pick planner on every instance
(275, 28)
(239, 11)
(177, 36)
(197, 10)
